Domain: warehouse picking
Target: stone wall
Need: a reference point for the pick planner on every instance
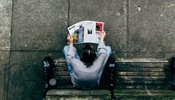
(33, 29)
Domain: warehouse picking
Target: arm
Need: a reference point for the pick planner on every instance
(72, 50)
(102, 51)
(72, 57)
(70, 40)
(101, 46)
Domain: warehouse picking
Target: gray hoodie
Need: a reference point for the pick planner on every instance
(84, 77)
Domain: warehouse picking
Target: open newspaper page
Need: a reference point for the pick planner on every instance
(86, 31)
(92, 31)
(77, 32)
(90, 35)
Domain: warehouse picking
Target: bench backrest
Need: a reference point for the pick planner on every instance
(128, 74)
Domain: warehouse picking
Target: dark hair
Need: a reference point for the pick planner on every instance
(88, 55)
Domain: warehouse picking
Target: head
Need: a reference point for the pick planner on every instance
(88, 55)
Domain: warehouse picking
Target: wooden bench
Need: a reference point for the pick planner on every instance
(134, 79)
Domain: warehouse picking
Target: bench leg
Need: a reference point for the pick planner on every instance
(44, 95)
(48, 70)
(173, 72)
(111, 65)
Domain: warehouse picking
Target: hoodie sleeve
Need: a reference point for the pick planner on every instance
(101, 48)
(71, 53)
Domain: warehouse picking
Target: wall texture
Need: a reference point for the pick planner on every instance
(32, 29)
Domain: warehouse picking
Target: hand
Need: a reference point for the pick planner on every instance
(102, 35)
(70, 39)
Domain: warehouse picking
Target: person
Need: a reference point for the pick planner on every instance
(86, 70)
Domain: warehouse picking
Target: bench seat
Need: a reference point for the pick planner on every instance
(120, 94)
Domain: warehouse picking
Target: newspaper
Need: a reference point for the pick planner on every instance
(86, 31)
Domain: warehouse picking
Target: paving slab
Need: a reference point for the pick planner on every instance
(169, 24)
(39, 24)
(5, 23)
(4, 60)
(26, 75)
(146, 26)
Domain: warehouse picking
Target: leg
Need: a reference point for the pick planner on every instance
(65, 51)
